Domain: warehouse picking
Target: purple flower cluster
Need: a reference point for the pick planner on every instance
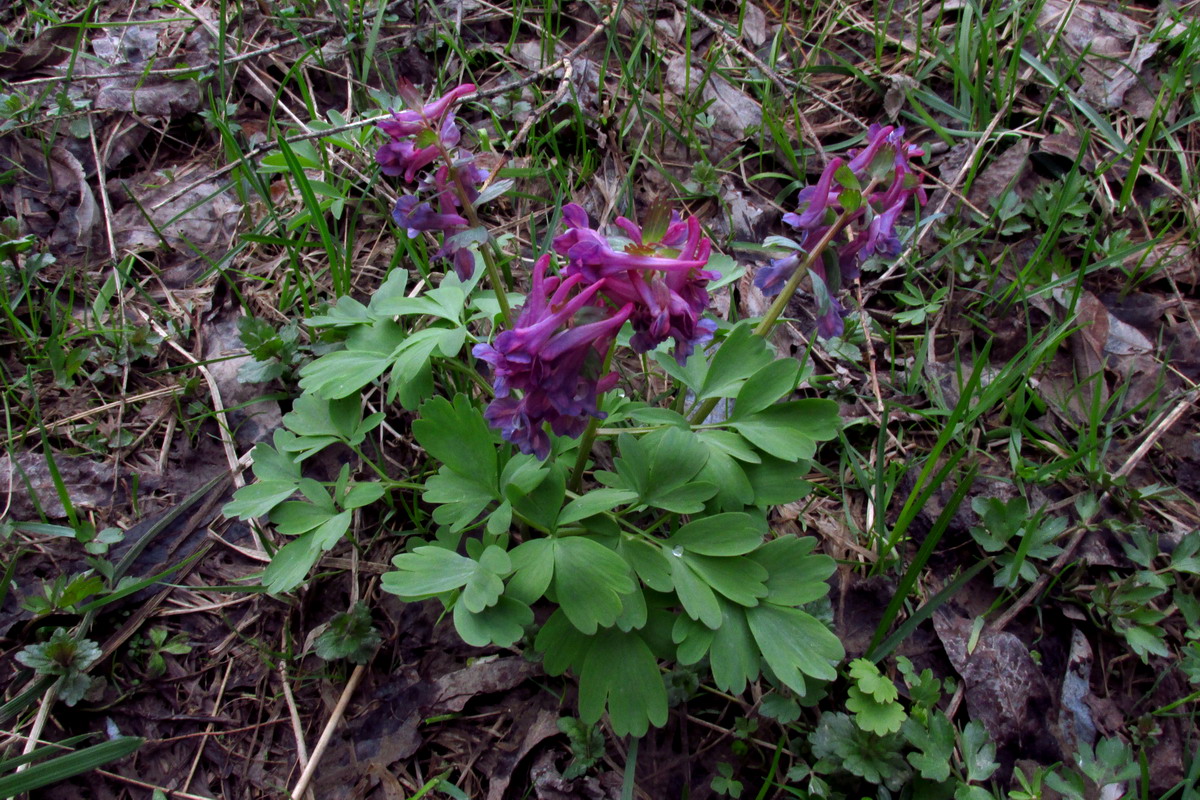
(421, 137)
(554, 355)
(660, 273)
(884, 163)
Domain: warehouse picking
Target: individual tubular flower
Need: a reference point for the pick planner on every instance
(553, 358)
(866, 227)
(660, 274)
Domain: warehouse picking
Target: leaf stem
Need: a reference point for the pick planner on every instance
(489, 257)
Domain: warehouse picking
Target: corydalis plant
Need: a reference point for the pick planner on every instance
(849, 216)
(424, 151)
(549, 368)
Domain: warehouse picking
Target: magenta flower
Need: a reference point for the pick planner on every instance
(412, 121)
(415, 216)
(552, 357)
(660, 275)
(420, 137)
(886, 160)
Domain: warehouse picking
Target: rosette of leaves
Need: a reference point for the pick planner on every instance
(669, 559)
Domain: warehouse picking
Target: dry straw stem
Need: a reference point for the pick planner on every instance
(327, 734)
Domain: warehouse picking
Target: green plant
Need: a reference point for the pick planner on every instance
(723, 783)
(153, 648)
(65, 657)
(586, 743)
(1008, 522)
(350, 635)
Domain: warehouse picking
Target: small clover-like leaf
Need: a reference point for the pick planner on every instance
(872, 682)
(873, 715)
(936, 745)
(350, 635)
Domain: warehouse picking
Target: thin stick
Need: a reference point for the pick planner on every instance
(204, 741)
(297, 728)
(327, 734)
(39, 723)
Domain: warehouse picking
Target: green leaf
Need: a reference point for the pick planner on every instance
(486, 585)
(501, 624)
(594, 502)
(794, 644)
(649, 562)
(740, 356)
(462, 498)
(589, 580)
(694, 593)
(367, 355)
(542, 505)
(362, 494)
(295, 517)
(562, 644)
(347, 312)
(291, 564)
(767, 386)
(777, 482)
(533, 569)
(790, 431)
(978, 752)
(733, 656)
(731, 534)
(687, 499)
(659, 416)
(430, 570)
(675, 458)
(257, 499)
(330, 532)
(621, 672)
(872, 681)
(350, 635)
(936, 744)
(734, 491)
(411, 380)
(457, 436)
(872, 715)
(729, 443)
(693, 639)
(739, 579)
(795, 575)
(277, 477)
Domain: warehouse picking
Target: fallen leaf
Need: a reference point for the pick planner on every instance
(1103, 43)
(204, 218)
(51, 196)
(1001, 175)
(455, 690)
(1077, 726)
(533, 732)
(734, 112)
(1004, 688)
